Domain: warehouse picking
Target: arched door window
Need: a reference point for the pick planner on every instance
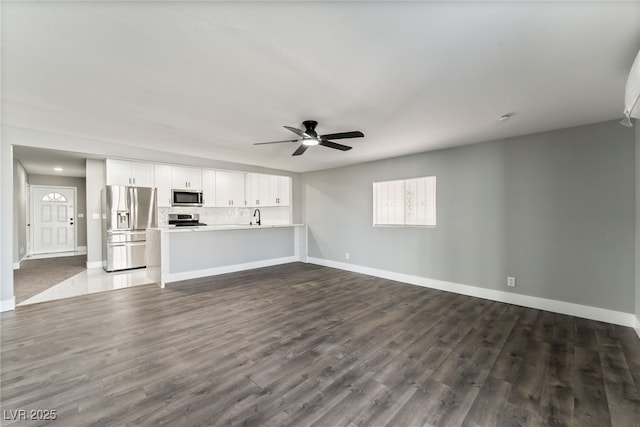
(53, 197)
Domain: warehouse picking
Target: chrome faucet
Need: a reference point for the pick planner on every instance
(257, 211)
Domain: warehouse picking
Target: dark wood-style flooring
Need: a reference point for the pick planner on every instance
(302, 345)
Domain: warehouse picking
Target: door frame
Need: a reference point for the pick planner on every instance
(30, 188)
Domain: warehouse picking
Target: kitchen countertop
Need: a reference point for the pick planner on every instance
(174, 229)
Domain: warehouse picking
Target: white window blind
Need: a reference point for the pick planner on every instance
(405, 202)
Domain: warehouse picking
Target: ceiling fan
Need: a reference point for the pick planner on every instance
(309, 137)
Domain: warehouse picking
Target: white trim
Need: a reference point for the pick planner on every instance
(8, 304)
(16, 265)
(636, 326)
(174, 277)
(571, 309)
(94, 264)
(30, 228)
(81, 249)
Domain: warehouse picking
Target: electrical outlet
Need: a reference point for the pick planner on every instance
(511, 281)
(346, 255)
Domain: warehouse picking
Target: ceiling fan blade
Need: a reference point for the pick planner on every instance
(334, 145)
(297, 131)
(344, 135)
(276, 142)
(300, 150)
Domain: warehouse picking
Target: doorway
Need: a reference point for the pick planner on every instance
(52, 219)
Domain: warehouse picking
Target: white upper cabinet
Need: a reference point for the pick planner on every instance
(124, 172)
(219, 188)
(283, 191)
(162, 176)
(230, 189)
(186, 178)
(209, 188)
(268, 190)
(258, 193)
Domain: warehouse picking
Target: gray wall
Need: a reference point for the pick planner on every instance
(81, 202)
(19, 211)
(95, 181)
(555, 210)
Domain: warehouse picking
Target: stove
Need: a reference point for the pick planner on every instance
(185, 220)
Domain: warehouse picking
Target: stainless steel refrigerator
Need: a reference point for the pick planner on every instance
(126, 214)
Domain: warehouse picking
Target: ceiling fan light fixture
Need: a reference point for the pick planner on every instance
(310, 141)
(309, 137)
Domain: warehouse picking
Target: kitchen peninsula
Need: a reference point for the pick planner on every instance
(181, 253)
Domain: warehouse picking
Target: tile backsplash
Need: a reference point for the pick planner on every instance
(216, 216)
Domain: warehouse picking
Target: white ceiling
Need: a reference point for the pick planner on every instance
(211, 78)
(51, 162)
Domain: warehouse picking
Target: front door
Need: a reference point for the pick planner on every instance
(53, 219)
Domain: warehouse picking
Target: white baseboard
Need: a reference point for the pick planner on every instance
(16, 265)
(577, 310)
(94, 264)
(8, 304)
(637, 326)
(175, 277)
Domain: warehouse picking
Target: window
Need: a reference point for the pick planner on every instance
(53, 197)
(405, 202)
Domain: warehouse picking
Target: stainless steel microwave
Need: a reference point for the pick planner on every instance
(186, 198)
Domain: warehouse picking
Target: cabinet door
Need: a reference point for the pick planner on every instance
(230, 188)
(162, 178)
(272, 190)
(186, 178)
(238, 196)
(209, 188)
(258, 193)
(124, 172)
(223, 189)
(142, 174)
(118, 172)
(284, 191)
